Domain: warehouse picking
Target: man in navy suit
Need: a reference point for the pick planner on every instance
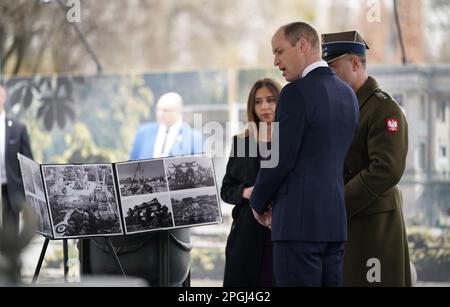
(13, 140)
(318, 116)
(169, 136)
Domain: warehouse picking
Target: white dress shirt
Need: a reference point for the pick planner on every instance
(2, 146)
(165, 139)
(313, 66)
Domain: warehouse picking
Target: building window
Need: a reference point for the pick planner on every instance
(399, 99)
(423, 156)
(423, 107)
(441, 110)
(443, 151)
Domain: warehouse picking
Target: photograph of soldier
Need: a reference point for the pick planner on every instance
(42, 218)
(196, 207)
(189, 172)
(143, 177)
(144, 213)
(82, 200)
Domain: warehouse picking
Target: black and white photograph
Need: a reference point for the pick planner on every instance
(144, 213)
(28, 167)
(41, 215)
(189, 172)
(141, 177)
(83, 200)
(38, 182)
(34, 194)
(193, 207)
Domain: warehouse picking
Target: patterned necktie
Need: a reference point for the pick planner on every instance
(164, 142)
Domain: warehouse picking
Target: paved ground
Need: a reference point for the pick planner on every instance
(52, 272)
(206, 283)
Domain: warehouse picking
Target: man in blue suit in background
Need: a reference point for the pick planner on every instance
(169, 136)
(140, 253)
(318, 116)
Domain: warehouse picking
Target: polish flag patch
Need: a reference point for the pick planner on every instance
(392, 125)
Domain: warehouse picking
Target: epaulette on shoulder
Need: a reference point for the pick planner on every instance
(382, 95)
(385, 97)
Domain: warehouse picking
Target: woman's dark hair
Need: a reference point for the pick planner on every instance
(272, 85)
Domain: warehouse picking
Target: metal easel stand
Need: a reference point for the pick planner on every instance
(66, 259)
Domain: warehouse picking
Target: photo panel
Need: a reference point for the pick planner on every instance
(38, 182)
(83, 200)
(34, 194)
(27, 168)
(141, 177)
(189, 172)
(42, 218)
(147, 212)
(196, 207)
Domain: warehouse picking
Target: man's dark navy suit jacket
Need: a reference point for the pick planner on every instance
(318, 116)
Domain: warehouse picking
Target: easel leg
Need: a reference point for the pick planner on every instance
(115, 257)
(66, 260)
(41, 259)
(164, 269)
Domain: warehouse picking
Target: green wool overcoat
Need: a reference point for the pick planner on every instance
(376, 253)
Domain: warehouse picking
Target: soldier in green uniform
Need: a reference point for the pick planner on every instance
(377, 247)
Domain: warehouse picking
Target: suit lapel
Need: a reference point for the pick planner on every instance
(152, 135)
(9, 124)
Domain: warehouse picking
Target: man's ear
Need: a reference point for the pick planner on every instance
(302, 45)
(356, 63)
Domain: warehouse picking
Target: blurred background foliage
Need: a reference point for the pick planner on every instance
(90, 119)
(137, 36)
(430, 253)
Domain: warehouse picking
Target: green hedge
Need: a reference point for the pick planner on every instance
(430, 253)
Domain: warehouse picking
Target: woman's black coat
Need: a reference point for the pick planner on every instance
(245, 245)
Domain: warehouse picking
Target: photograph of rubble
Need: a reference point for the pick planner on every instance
(189, 172)
(144, 213)
(41, 215)
(34, 195)
(82, 199)
(141, 177)
(196, 207)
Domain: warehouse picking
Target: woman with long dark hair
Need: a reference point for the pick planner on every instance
(249, 249)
